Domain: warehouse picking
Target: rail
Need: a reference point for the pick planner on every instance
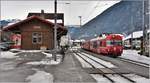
(134, 62)
(96, 68)
(110, 69)
(103, 73)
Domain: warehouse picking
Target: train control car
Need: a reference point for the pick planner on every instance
(86, 45)
(107, 45)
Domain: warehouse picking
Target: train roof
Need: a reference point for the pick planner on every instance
(106, 36)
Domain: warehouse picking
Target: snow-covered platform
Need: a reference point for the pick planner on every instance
(133, 55)
(69, 71)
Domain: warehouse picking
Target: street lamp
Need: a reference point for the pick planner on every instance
(55, 29)
(80, 20)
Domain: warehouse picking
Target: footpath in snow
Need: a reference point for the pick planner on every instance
(47, 60)
(133, 55)
(40, 77)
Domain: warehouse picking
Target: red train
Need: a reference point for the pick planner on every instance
(110, 44)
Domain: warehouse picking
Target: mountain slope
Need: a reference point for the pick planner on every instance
(123, 17)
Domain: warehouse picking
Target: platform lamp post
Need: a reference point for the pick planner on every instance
(80, 17)
(145, 25)
(55, 30)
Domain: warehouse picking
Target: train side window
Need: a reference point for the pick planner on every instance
(100, 43)
(94, 44)
(103, 44)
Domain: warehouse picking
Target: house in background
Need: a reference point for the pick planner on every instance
(36, 31)
(136, 40)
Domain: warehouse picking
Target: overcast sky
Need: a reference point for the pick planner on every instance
(72, 9)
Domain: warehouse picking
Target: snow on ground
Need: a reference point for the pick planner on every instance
(92, 62)
(40, 77)
(100, 79)
(31, 50)
(133, 55)
(7, 54)
(118, 79)
(75, 48)
(107, 64)
(138, 78)
(47, 54)
(83, 63)
(48, 60)
(19, 50)
(45, 62)
(7, 65)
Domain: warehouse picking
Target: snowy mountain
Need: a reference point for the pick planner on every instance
(8, 22)
(123, 17)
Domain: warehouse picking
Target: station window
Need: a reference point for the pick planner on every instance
(36, 38)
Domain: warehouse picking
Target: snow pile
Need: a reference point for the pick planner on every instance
(133, 55)
(107, 64)
(45, 62)
(7, 54)
(48, 60)
(15, 50)
(31, 50)
(47, 54)
(40, 77)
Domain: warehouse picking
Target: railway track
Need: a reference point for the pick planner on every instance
(134, 62)
(101, 71)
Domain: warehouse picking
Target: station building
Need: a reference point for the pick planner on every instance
(37, 31)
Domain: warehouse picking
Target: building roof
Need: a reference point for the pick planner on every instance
(13, 26)
(136, 34)
(48, 15)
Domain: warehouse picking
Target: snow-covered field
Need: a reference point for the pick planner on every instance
(7, 54)
(118, 79)
(133, 55)
(40, 77)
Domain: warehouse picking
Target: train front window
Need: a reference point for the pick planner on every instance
(114, 42)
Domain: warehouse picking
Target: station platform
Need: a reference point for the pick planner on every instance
(70, 70)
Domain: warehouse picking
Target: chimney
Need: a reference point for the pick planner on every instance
(42, 14)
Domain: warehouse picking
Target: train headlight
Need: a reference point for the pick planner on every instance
(108, 50)
(114, 48)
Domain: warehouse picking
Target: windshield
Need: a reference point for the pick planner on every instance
(114, 42)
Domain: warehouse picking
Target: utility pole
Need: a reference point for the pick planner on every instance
(145, 25)
(132, 26)
(55, 30)
(144, 35)
(80, 20)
